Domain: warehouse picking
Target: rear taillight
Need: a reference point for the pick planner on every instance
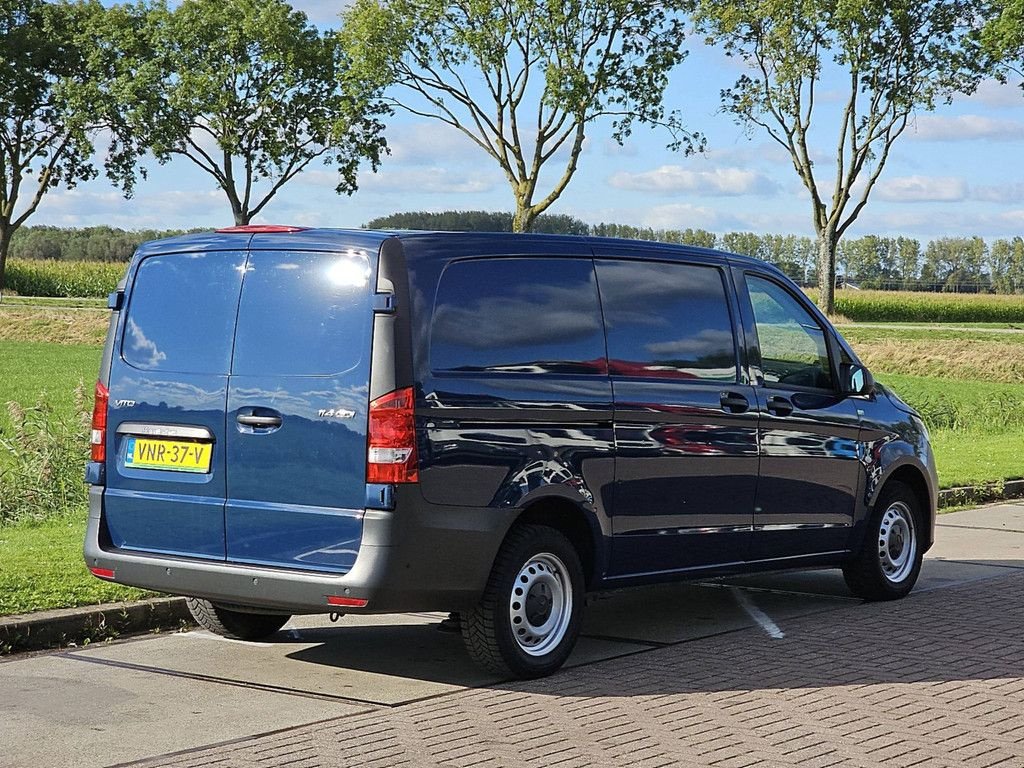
(258, 229)
(391, 444)
(98, 439)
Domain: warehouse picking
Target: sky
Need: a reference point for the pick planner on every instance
(956, 171)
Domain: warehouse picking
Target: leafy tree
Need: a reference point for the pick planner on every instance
(905, 257)
(251, 92)
(60, 87)
(523, 79)
(745, 243)
(1004, 35)
(1006, 265)
(896, 56)
(476, 221)
(956, 264)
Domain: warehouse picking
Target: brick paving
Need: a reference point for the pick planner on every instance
(935, 680)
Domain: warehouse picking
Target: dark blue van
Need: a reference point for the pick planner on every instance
(308, 421)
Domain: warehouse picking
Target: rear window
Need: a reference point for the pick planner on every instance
(667, 321)
(181, 314)
(529, 315)
(303, 313)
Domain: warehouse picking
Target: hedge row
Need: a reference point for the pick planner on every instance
(913, 307)
(62, 278)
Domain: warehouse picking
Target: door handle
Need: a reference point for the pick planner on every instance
(734, 402)
(779, 406)
(259, 422)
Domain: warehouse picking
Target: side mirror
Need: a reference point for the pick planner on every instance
(856, 379)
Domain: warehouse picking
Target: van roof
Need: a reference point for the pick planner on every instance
(455, 243)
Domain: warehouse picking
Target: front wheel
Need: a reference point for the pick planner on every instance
(528, 619)
(237, 625)
(889, 562)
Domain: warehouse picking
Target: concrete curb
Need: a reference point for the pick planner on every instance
(980, 494)
(90, 624)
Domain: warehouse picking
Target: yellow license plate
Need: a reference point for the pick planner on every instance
(175, 455)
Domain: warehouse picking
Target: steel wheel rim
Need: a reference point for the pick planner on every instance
(897, 542)
(540, 604)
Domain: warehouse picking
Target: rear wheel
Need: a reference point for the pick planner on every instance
(889, 562)
(238, 625)
(528, 619)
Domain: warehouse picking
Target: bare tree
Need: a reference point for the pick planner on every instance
(524, 79)
(897, 56)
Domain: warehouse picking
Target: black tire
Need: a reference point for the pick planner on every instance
(518, 650)
(882, 569)
(237, 625)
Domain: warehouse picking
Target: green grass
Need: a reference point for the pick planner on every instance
(29, 368)
(1003, 333)
(41, 567)
(966, 458)
(976, 427)
(980, 407)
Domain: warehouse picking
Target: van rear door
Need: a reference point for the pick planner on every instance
(165, 465)
(297, 409)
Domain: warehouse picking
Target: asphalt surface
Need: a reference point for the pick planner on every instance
(783, 669)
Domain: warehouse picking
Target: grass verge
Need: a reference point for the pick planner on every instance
(55, 325)
(41, 567)
(30, 368)
(973, 458)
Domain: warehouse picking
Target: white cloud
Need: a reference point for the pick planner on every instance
(682, 216)
(670, 179)
(157, 210)
(427, 179)
(428, 141)
(922, 189)
(992, 93)
(965, 128)
(945, 189)
(998, 193)
(927, 224)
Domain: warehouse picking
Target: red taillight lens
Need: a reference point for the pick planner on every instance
(102, 573)
(255, 229)
(98, 439)
(391, 445)
(347, 602)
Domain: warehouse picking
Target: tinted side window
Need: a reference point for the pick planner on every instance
(181, 315)
(518, 315)
(667, 320)
(794, 351)
(303, 313)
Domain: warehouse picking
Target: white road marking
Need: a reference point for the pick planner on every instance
(202, 634)
(757, 614)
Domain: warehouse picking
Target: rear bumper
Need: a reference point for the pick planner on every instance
(432, 560)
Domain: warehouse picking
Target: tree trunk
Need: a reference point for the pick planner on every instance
(522, 220)
(5, 245)
(827, 242)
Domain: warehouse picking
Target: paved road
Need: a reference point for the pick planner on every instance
(772, 670)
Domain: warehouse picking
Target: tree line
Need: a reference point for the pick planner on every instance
(955, 264)
(252, 94)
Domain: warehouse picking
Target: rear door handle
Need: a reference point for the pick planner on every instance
(262, 421)
(779, 406)
(734, 402)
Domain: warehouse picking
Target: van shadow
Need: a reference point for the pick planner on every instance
(971, 631)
